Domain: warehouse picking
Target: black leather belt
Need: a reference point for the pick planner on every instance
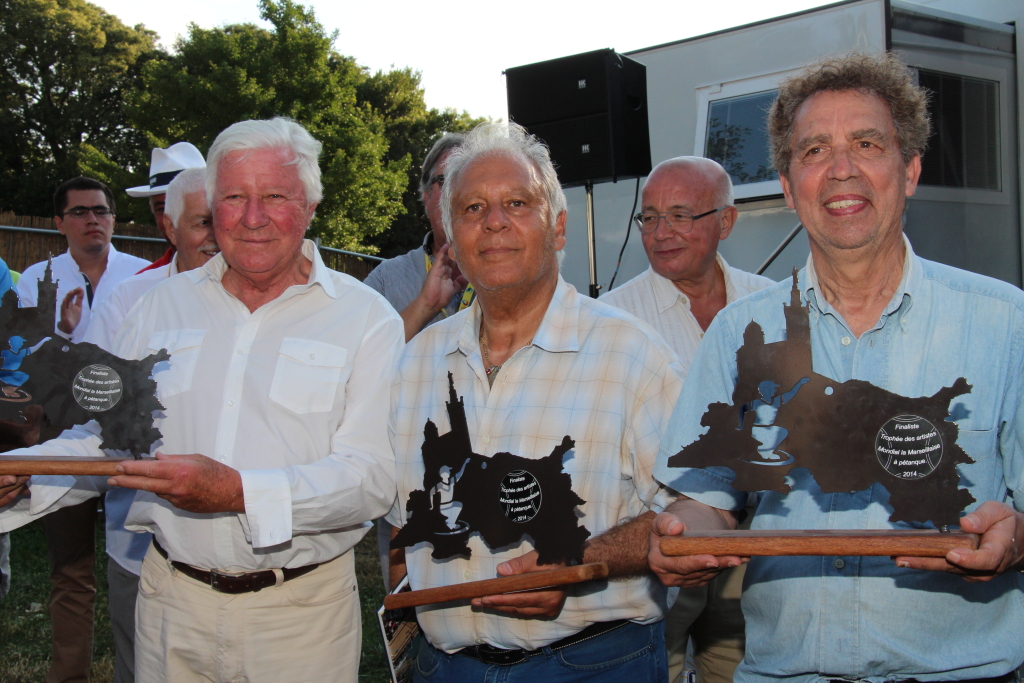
(499, 657)
(248, 582)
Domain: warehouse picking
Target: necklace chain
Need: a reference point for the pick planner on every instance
(489, 369)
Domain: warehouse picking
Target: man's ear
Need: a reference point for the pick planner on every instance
(729, 216)
(59, 222)
(560, 230)
(913, 174)
(168, 228)
(787, 190)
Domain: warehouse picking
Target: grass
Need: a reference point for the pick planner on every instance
(25, 621)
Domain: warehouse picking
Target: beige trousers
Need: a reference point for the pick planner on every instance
(305, 631)
(711, 616)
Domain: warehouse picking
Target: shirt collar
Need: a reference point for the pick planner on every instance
(909, 283)
(320, 274)
(666, 294)
(173, 266)
(111, 255)
(558, 331)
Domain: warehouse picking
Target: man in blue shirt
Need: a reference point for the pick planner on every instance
(847, 138)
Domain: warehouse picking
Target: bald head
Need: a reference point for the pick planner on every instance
(688, 187)
(695, 171)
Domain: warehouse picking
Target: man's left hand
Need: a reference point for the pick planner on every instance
(546, 602)
(1000, 549)
(193, 482)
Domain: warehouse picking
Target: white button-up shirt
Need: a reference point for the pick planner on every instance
(592, 372)
(293, 395)
(659, 303)
(68, 276)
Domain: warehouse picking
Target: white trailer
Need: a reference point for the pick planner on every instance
(707, 97)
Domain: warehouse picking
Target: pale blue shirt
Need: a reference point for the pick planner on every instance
(863, 617)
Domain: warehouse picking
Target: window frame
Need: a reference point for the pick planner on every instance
(707, 94)
(956, 67)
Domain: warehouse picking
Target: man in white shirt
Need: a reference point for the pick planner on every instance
(687, 209)
(189, 226)
(86, 275)
(533, 361)
(274, 452)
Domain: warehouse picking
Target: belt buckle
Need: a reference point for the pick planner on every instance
(500, 657)
(215, 575)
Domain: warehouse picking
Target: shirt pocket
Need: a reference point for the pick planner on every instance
(175, 376)
(308, 375)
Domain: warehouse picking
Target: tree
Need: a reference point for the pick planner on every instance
(219, 76)
(412, 129)
(66, 67)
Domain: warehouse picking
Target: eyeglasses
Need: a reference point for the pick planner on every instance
(680, 221)
(439, 179)
(98, 211)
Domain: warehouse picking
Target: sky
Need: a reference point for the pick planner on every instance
(461, 47)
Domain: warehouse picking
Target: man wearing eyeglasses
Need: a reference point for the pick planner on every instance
(425, 285)
(687, 210)
(86, 274)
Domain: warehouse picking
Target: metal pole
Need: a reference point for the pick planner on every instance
(591, 240)
(779, 249)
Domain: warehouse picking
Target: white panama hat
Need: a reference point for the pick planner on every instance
(165, 164)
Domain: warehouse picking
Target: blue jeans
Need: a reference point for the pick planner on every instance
(633, 653)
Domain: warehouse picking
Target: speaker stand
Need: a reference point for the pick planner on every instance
(592, 241)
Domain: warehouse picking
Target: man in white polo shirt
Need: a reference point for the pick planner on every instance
(687, 209)
(86, 274)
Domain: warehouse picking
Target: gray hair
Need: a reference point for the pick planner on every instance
(508, 140)
(444, 144)
(185, 183)
(276, 133)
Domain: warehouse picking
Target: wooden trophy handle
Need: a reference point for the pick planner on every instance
(100, 467)
(504, 584)
(880, 542)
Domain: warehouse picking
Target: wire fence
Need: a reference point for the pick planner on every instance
(25, 240)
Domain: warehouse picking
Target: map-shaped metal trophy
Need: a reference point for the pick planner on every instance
(47, 379)
(849, 435)
(503, 498)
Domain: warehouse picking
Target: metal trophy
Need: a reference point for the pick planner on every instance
(503, 498)
(47, 380)
(849, 435)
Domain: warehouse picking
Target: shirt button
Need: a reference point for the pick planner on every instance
(487, 439)
(839, 563)
(240, 352)
(231, 403)
(312, 356)
(465, 575)
(846, 341)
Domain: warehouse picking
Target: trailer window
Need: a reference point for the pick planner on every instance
(963, 150)
(737, 137)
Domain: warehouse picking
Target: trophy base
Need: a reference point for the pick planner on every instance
(864, 542)
(504, 584)
(98, 467)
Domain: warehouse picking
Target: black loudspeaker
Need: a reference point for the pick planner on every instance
(590, 109)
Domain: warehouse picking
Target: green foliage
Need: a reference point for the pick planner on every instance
(83, 94)
(66, 67)
(219, 76)
(412, 129)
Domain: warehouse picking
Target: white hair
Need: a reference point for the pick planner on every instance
(185, 183)
(501, 139)
(276, 133)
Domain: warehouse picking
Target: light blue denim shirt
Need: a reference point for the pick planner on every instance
(863, 617)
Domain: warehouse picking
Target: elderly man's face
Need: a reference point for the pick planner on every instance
(432, 203)
(260, 212)
(684, 256)
(193, 235)
(501, 231)
(847, 180)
